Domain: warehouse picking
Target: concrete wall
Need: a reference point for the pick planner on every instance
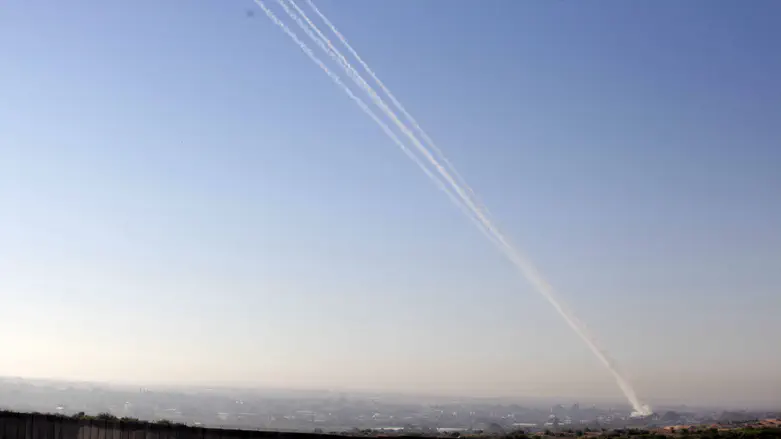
(38, 426)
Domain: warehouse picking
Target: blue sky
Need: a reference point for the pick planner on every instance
(180, 181)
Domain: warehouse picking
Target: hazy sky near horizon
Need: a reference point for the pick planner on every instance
(185, 197)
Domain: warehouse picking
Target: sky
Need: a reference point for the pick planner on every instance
(186, 198)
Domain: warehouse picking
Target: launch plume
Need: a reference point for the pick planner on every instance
(387, 92)
(361, 104)
(432, 161)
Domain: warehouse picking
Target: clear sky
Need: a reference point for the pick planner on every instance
(185, 197)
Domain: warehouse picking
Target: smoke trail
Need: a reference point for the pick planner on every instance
(521, 262)
(464, 200)
(366, 109)
(388, 93)
(470, 205)
(334, 54)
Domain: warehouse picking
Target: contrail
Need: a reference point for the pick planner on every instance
(461, 194)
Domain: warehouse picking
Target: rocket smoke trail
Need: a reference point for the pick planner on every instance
(445, 177)
(362, 105)
(387, 92)
(467, 202)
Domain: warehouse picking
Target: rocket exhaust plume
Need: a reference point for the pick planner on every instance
(387, 92)
(361, 104)
(434, 164)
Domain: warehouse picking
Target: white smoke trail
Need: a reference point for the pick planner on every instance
(335, 55)
(438, 152)
(466, 200)
(366, 109)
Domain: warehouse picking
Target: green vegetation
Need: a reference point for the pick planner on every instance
(100, 417)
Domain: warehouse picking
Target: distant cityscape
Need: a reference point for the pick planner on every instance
(336, 412)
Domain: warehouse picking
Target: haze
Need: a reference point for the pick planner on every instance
(186, 200)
